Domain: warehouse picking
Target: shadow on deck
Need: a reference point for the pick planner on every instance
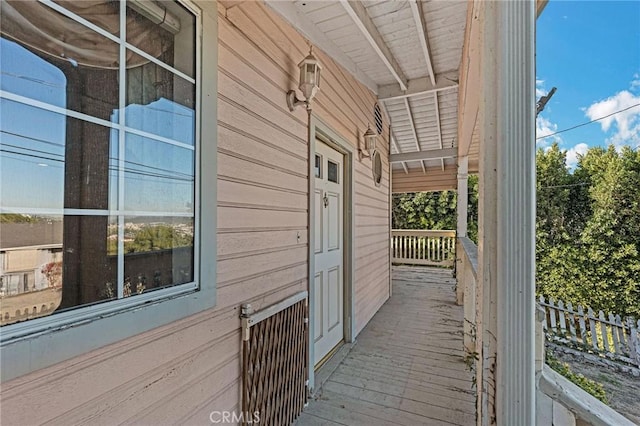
(407, 366)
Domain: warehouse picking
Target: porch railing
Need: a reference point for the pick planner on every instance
(610, 334)
(423, 247)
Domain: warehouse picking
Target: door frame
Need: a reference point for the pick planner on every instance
(319, 130)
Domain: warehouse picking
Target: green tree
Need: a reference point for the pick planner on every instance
(595, 261)
(552, 190)
(435, 210)
(157, 237)
(17, 218)
(425, 210)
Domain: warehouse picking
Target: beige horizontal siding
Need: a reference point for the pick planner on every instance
(179, 373)
(418, 181)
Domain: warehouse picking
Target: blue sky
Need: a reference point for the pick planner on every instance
(590, 51)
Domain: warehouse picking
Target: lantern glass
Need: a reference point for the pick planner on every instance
(371, 143)
(370, 139)
(309, 76)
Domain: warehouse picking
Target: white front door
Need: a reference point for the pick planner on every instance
(328, 290)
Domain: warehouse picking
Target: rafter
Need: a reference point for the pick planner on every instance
(305, 26)
(432, 154)
(413, 129)
(421, 25)
(363, 21)
(392, 136)
(419, 86)
(395, 145)
(437, 105)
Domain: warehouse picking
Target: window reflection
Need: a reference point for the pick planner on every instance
(32, 158)
(165, 30)
(75, 194)
(332, 171)
(30, 266)
(158, 176)
(159, 253)
(59, 74)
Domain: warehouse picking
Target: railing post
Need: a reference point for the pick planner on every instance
(634, 340)
(540, 339)
(463, 195)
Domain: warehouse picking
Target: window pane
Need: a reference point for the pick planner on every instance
(104, 14)
(62, 178)
(31, 266)
(37, 279)
(61, 162)
(90, 271)
(160, 102)
(318, 166)
(159, 176)
(32, 158)
(80, 73)
(332, 171)
(164, 30)
(159, 253)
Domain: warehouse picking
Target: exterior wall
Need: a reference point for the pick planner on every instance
(259, 50)
(179, 373)
(417, 181)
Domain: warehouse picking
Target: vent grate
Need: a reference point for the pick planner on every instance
(377, 116)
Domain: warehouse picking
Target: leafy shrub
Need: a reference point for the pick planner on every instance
(590, 386)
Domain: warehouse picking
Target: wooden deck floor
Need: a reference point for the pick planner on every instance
(406, 367)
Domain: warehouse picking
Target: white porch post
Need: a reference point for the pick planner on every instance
(463, 195)
(507, 223)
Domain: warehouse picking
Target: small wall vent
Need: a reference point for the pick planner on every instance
(377, 116)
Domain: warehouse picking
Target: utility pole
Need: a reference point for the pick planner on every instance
(543, 101)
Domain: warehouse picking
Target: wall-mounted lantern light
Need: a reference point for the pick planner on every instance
(309, 82)
(370, 138)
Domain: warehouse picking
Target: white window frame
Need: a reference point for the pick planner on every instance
(40, 342)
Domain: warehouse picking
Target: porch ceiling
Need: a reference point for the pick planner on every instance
(406, 51)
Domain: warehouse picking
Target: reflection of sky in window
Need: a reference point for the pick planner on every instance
(32, 167)
(164, 118)
(158, 176)
(26, 74)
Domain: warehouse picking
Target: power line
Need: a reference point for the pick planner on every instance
(566, 186)
(186, 175)
(111, 168)
(588, 122)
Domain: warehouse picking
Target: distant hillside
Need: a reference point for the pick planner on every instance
(18, 218)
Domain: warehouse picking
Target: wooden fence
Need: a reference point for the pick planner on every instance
(610, 335)
(422, 247)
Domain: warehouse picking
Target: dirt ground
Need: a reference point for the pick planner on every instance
(623, 389)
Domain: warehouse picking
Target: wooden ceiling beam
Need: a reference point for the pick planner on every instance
(419, 86)
(421, 25)
(437, 105)
(413, 129)
(358, 13)
(392, 136)
(432, 154)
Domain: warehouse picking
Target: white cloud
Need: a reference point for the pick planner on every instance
(635, 83)
(544, 127)
(626, 124)
(540, 90)
(573, 153)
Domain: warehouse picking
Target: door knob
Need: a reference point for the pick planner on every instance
(325, 200)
